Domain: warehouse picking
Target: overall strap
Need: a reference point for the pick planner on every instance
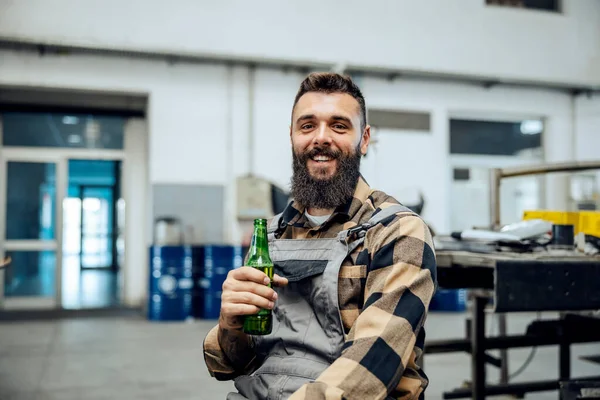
(387, 212)
(274, 226)
(361, 230)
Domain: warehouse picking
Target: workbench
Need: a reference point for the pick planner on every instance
(505, 282)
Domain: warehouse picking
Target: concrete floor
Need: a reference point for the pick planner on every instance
(135, 359)
(88, 288)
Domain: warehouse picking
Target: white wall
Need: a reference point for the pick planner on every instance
(187, 105)
(199, 122)
(463, 37)
(470, 200)
(274, 99)
(587, 127)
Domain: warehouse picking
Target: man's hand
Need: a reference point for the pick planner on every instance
(245, 292)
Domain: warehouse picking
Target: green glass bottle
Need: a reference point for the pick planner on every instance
(258, 257)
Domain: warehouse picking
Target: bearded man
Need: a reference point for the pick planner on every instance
(355, 272)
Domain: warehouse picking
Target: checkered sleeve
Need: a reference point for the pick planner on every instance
(380, 348)
(228, 353)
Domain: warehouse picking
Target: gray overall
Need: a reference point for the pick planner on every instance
(307, 333)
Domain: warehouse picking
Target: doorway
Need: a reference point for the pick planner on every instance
(61, 210)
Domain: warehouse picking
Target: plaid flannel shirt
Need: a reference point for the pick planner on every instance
(385, 287)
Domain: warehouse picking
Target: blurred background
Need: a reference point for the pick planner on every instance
(131, 129)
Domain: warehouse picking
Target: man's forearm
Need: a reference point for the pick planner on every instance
(228, 353)
(237, 347)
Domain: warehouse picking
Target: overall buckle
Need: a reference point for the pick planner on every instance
(359, 231)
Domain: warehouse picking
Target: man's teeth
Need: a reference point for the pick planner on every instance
(321, 158)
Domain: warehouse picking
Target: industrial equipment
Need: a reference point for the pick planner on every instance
(527, 275)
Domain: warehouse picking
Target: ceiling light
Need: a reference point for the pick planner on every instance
(70, 120)
(532, 127)
(74, 139)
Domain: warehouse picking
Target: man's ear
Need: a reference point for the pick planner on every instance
(365, 140)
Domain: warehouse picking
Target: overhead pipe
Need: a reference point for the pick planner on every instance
(45, 49)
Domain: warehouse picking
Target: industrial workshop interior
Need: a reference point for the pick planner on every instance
(299, 199)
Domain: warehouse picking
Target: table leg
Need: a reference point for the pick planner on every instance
(564, 359)
(564, 354)
(478, 348)
(503, 352)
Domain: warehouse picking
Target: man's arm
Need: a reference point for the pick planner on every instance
(228, 353)
(380, 346)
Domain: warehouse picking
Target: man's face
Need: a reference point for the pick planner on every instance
(327, 144)
(326, 127)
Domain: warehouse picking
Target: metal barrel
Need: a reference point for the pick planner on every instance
(217, 262)
(170, 286)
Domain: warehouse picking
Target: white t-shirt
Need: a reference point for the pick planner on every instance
(316, 220)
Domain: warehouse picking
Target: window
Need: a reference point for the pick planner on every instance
(400, 119)
(545, 5)
(31, 129)
(495, 138)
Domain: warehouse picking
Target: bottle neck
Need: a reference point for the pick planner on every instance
(260, 242)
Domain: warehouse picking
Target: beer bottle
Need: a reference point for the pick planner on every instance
(258, 257)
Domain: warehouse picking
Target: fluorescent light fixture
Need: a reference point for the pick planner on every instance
(532, 127)
(70, 120)
(74, 139)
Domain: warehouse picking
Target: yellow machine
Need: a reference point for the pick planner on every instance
(587, 222)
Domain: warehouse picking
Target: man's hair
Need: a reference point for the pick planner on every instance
(329, 82)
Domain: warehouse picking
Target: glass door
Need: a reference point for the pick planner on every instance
(31, 189)
(91, 262)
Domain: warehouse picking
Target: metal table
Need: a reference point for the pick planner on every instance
(518, 282)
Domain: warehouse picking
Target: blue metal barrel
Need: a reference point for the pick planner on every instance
(217, 262)
(170, 294)
(449, 300)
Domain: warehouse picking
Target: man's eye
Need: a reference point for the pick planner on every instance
(339, 126)
(307, 126)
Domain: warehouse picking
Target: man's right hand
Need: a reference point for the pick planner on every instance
(245, 292)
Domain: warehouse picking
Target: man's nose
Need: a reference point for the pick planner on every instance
(322, 135)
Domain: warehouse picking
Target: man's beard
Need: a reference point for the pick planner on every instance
(326, 193)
